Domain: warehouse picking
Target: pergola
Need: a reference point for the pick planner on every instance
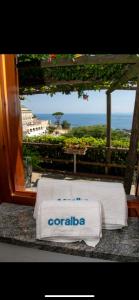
(12, 173)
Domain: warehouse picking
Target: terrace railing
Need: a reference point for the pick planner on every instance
(96, 161)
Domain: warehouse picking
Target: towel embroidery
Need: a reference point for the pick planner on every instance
(73, 199)
(71, 221)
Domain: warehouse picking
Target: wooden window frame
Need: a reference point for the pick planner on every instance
(11, 158)
(12, 184)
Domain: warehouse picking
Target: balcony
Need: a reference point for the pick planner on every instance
(94, 164)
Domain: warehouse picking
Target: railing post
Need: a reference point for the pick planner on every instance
(74, 155)
(108, 159)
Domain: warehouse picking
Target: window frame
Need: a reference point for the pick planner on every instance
(11, 158)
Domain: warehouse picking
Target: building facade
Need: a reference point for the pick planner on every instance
(32, 126)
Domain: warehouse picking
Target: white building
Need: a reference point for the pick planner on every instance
(27, 116)
(31, 125)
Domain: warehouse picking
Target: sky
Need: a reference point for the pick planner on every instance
(122, 102)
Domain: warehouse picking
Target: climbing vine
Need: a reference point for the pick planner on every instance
(35, 79)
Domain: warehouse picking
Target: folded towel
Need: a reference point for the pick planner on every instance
(111, 195)
(69, 221)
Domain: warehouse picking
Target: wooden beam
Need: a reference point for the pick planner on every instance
(108, 144)
(132, 154)
(25, 198)
(96, 59)
(14, 122)
(85, 60)
(74, 82)
(133, 207)
(11, 162)
(37, 89)
(5, 182)
(130, 88)
(86, 163)
(69, 82)
(128, 75)
(60, 145)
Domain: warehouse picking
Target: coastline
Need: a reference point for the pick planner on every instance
(118, 120)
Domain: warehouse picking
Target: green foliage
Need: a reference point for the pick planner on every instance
(90, 141)
(120, 134)
(51, 129)
(37, 79)
(22, 97)
(58, 113)
(75, 142)
(45, 139)
(36, 158)
(39, 57)
(97, 131)
(54, 149)
(120, 143)
(34, 116)
(65, 124)
(96, 150)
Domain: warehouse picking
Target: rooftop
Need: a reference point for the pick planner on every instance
(23, 108)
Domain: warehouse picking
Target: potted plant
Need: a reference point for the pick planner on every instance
(75, 146)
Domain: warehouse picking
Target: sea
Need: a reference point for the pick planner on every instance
(118, 120)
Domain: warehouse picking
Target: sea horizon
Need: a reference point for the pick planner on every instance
(116, 113)
(118, 120)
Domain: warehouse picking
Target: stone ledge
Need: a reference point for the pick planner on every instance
(17, 226)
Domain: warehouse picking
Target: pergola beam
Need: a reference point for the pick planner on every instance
(132, 154)
(108, 120)
(38, 88)
(108, 141)
(129, 74)
(86, 60)
(70, 82)
(74, 82)
(96, 59)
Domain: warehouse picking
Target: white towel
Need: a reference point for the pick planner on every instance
(51, 189)
(111, 195)
(69, 221)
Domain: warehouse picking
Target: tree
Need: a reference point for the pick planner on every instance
(97, 131)
(51, 129)
(65, 124)
(58, 116)
(34, 116)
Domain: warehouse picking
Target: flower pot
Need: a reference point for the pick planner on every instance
(74, 150)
